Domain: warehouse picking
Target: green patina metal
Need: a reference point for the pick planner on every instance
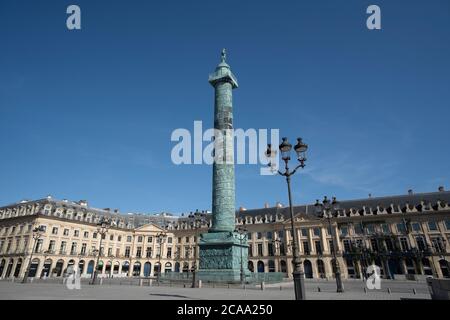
(222, 252)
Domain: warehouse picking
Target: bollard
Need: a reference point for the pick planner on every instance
(199, 284)
(365, 290)
(389, 290)
(140, 282)
(318, 289)
(414, 290)
(228, 286)
(281, 288)
(12, 279)
(263, 285)
(101, 281)
(245, 287)
(31, 280)
(150, 283)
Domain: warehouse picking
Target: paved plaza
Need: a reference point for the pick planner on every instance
(316, 290)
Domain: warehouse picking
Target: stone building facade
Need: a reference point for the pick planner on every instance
(406, 236)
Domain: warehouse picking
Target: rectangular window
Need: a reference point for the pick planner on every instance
(344, 231)
(76, 233)
(249, 236)
(39, 245)
(55, 230)
(370, 229)
(389, 245)
(187, 239)
(83, 249)
(281, 234)
(73, 249)
(318, 246)
(66, 232)
(331, 244)
(62, 249)
(110, 252)
(111, 237)
(358, 228)
(148, 252)
(404, 244)
(447, 224)
(250, 250)
(420, 243)
(51, 246)
(179, 239)
(270, 249)
(127, 252)
(140, 239)
(385, 228)
(316, 232)
(347, 246)
(169, 240)
(86, 234)
(374, 244)
(128, 238)
(401, 227)
(119, 238)
(269, 235)
(432, 225)
(138, 252)
(306, 248)
(149, 239)
(260, 249)
(416, 227)
(282, 249)
(94, 235)
(169, 253)
(259, 235)
(304, 232)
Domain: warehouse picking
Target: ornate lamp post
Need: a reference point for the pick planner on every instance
(328, 211)
(285, 149)
(102, 228)
(161, 237)
(37, 234)
(242, 234)
(197, 220)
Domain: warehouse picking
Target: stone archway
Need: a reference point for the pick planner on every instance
(260, 266)
(308, 269)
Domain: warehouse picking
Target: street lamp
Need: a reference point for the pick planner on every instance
(102, 228)
(242, 233)
(328, 210)
(37, 234)
(285, 148)
(197, 220)
(160, 236)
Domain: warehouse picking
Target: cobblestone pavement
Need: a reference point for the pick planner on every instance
(354, 290)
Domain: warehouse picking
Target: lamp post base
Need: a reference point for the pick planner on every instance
(299, 285)
(339, 285)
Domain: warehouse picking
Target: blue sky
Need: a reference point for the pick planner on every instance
(89, 114)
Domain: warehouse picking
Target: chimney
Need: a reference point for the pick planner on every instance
(279, 205)
(410, 192)
(441, 189)
(370, 195)
(242, 209)
(266, 205)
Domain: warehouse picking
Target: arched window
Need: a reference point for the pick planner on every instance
(116, 267)
(80, 267)
(18, 267)
(260, 266)
(59, 268)
(444, 268)
(308, 269)
(168, 267)
(33, 268)
(177, 267)
(125, 267)
(271, 266)
(251, 267)
(47, 268)
(283, 266)
(147, 269)
(90, 268)
(137, 269)
(321, 268)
